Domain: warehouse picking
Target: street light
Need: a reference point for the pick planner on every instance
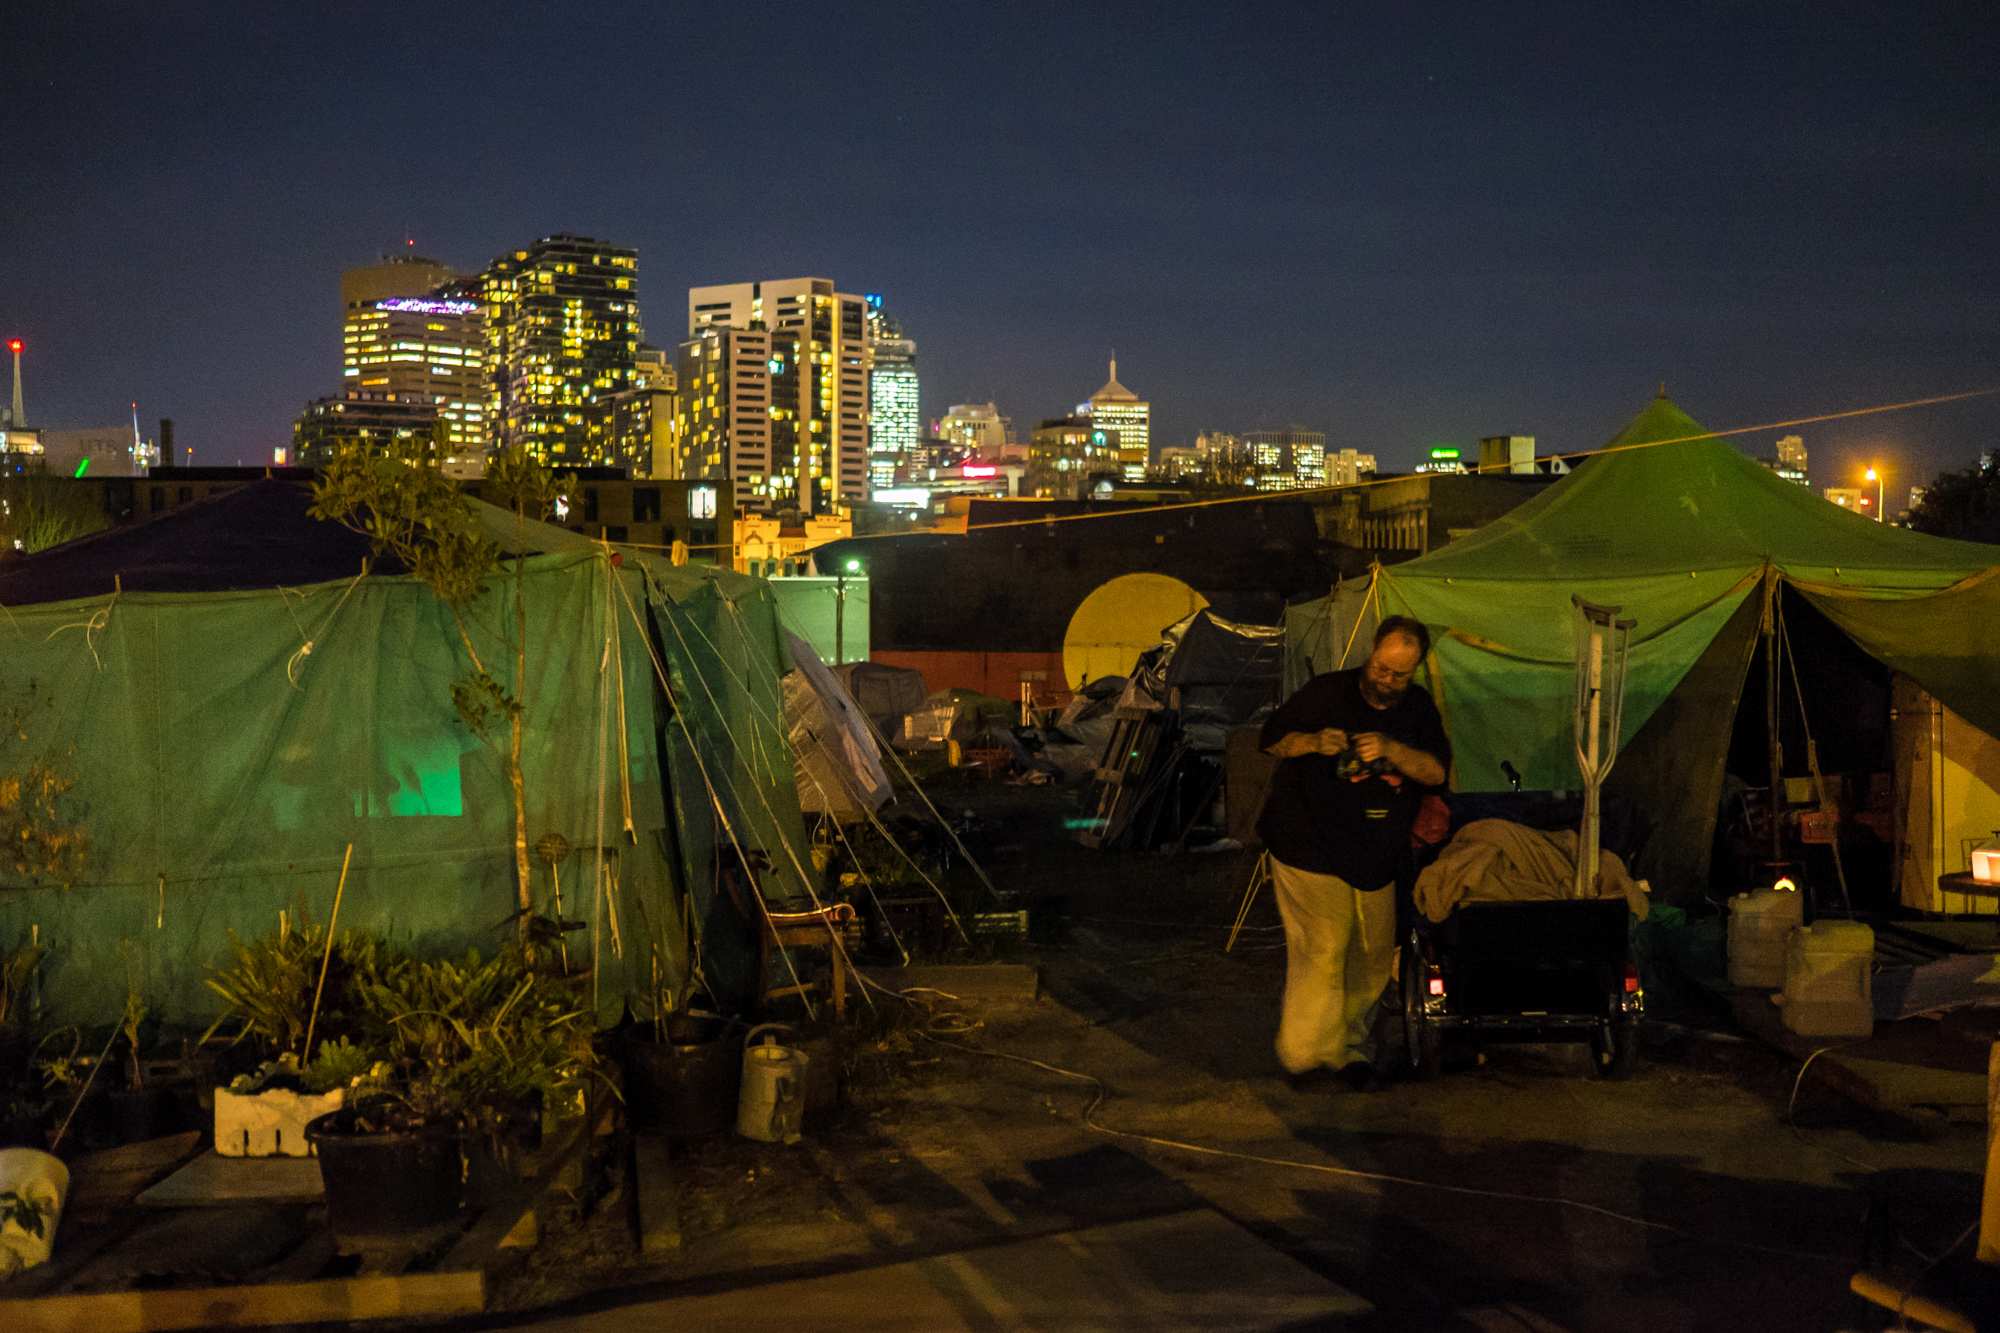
(840, 608)
(1875, 476)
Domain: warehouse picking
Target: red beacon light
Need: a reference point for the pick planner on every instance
(14, 346)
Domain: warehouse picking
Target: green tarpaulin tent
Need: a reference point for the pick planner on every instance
(1690, 538)
(223, 747)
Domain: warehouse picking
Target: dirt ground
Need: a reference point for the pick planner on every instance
(1694, 1204)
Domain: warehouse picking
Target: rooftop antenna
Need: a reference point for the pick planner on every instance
(137, 447)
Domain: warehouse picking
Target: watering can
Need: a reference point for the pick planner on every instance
(773, 1097)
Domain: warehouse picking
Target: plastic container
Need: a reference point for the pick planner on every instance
(773, 1099)
(1829, 991)
(42, 1181)
(385, 1184)
(271, 1123)
(1760, 923)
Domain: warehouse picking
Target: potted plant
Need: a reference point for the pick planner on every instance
(269, 984)
(18, 968)
(682, 1065)
(474, 1049)
(143, 1108)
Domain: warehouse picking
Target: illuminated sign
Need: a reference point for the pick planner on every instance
(1444, 453)
(422, 306)
(83, 467)
(910, 497)
(978, 470)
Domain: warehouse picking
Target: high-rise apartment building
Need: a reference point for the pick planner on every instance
(743, 417)
(894, 417)
(642, 422)
(1123, 413)
(1790, 462)
(562, 337)
(1286, 459)
(819, 457)
(426, 350)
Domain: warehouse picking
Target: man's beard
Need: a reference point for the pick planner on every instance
(1378, 696)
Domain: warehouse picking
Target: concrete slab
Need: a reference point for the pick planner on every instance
(1187, 1269)
(211, 1181)
(999, 982)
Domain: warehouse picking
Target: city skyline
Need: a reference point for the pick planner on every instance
(1410, 230)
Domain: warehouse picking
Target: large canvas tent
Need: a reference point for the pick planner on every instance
(1698, 544)
(232, 701)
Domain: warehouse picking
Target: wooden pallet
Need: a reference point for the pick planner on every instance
(440, 1276)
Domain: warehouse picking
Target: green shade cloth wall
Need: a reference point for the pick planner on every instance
(220, 771)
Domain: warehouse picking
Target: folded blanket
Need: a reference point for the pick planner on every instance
(1497, 860)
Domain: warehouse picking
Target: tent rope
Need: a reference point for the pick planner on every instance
(1812, 754)
(715, 797)
(92, 626)
(310, 641)
(875, 820)
(805, 876)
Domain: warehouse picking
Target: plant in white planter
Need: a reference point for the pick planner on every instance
(269, 985)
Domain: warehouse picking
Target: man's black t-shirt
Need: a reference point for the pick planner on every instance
(1356, 828)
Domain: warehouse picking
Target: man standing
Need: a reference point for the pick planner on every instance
(1358, 749)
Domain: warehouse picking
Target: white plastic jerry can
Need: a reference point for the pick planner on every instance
(1760, 926)
(773, 1097)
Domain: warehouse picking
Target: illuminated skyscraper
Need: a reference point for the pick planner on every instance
(1065, 453)
(1127, 416)
(562, 336)
(892, 396)
(818, 455)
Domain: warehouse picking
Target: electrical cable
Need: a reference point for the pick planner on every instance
(1306, 492)
(1100, 1094)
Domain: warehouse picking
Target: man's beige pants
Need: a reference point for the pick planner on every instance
(1340, 949)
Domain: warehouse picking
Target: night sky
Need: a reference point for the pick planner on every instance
(1402, 229)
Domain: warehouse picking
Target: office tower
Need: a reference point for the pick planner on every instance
(1065, 452)
(1286, 459)
(1123, 413)
(976, 427)
(428, 350)
(562, 336)
(1345, 467)
(392, 276)
(817, 459)
(893, 413)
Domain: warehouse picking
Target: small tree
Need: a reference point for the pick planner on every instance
(408, 509)
(38, 511)
(1963, 504)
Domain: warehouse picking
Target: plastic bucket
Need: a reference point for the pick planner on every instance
(43, 1181)
(684, 1087)
(378, 1184)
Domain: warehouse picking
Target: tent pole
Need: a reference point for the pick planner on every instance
(1777, 754)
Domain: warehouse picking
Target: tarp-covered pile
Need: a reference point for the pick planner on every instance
(1161, 767)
